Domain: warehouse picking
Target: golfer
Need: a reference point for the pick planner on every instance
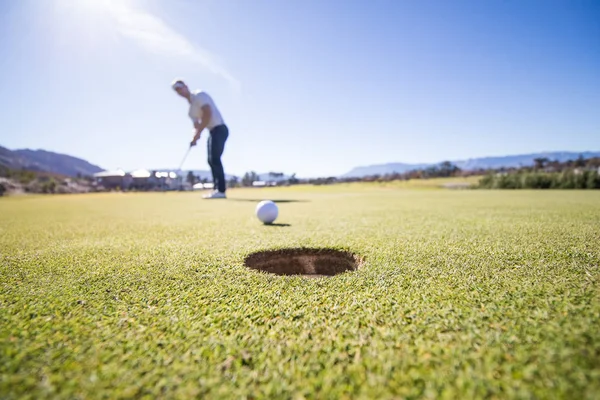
(205, 114)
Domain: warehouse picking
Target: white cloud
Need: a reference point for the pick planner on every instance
(153, 34)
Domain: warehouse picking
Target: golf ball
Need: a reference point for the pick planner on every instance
(267, 211)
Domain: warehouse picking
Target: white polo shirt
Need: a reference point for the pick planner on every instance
(199, 99)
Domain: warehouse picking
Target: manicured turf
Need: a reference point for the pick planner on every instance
(463, 294)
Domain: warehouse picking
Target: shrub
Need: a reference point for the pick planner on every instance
(49, 186)
(593, 180)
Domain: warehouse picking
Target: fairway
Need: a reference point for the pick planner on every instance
(460, 294)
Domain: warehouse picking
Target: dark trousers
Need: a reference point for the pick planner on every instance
(216, 145)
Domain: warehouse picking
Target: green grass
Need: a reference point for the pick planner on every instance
(463, 294)
(432, 183)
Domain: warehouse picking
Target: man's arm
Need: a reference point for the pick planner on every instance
(200, 126)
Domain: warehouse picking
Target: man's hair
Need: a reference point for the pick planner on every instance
(177, 83)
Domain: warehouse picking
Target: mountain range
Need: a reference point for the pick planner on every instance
(46, 161)
(472, 163)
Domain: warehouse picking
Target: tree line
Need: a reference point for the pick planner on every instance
(580, 173)
(247, 180)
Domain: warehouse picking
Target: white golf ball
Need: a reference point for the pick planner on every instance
(267, 211)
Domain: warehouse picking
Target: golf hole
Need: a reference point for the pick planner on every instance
(308, 262)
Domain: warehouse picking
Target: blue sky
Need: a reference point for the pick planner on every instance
(313, 87)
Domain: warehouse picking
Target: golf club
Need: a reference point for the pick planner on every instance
(179, 174)
(184, 157)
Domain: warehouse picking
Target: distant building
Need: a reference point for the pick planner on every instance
(166, 180)
(264, 183)
(140, 179)
(271, 179)
(203, 186)
(117, 179)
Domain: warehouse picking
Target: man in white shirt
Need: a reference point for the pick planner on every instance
(205, 114)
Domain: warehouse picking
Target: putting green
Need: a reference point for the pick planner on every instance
(461, 294)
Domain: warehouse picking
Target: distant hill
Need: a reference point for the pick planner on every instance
(521, 160)
(382, 169)
(472, 163)
(47, 161)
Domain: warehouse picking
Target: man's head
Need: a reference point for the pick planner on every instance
(181, 88)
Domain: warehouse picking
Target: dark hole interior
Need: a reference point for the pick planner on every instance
(309, 262)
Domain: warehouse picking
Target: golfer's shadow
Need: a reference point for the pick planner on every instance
(274, 201)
